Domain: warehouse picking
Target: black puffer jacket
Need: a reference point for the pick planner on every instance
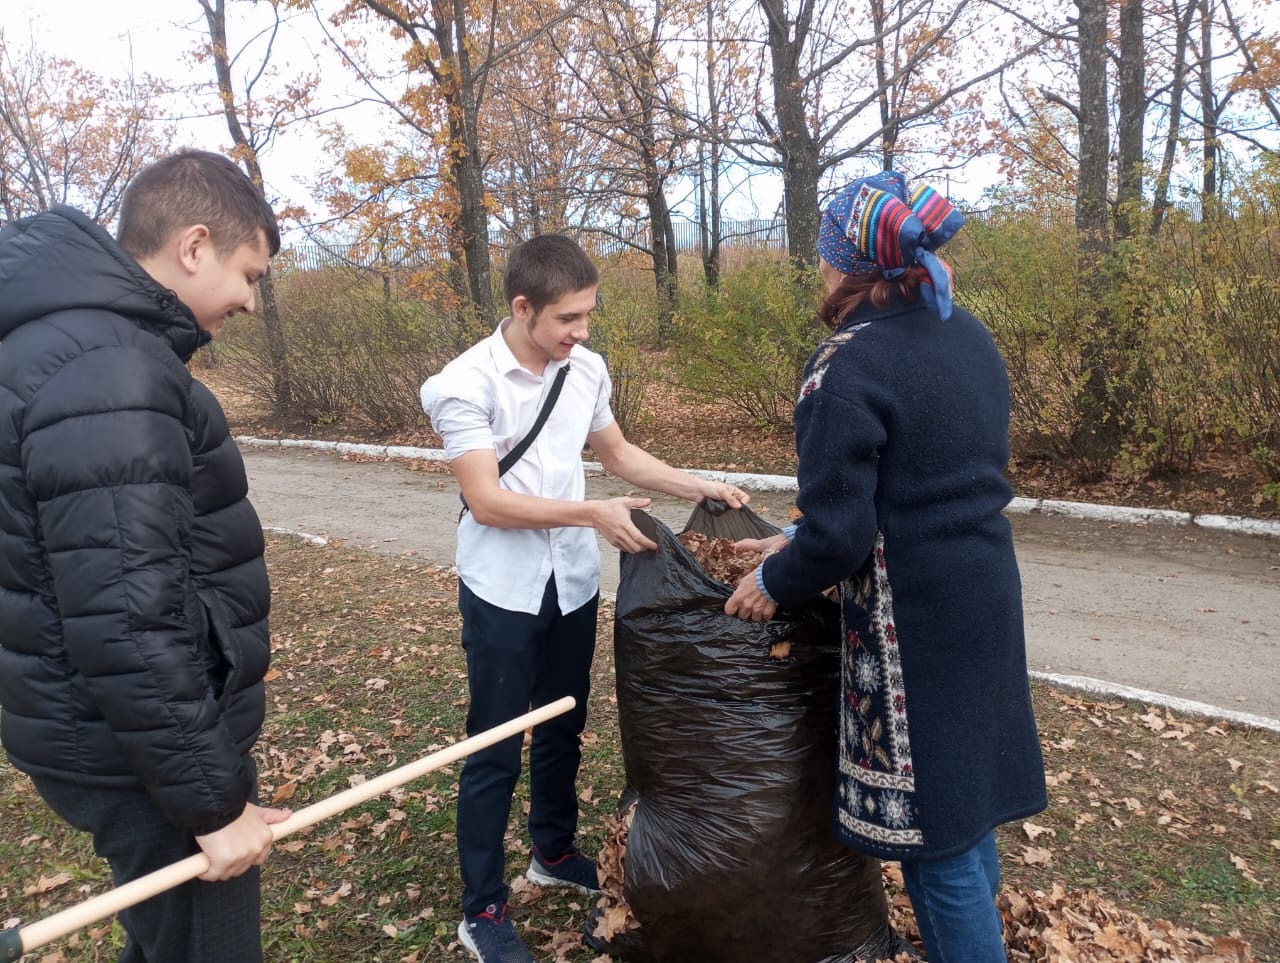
(133, 592)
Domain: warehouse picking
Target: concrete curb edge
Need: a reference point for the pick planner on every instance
(787, 483)
(1078, 683)
(1174, 703)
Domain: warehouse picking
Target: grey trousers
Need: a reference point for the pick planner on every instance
(196, 922)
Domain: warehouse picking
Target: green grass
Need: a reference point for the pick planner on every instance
(1147, 809)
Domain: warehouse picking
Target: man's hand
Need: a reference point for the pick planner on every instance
(748, 603)
(735, 497)
(241, 844)
(612, 519)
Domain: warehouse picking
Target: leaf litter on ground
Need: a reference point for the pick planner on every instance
(1153, 816)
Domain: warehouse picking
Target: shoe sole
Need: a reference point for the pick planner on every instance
(535, 875)
(464, 937)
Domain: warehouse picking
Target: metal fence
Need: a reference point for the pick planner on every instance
(600, 242)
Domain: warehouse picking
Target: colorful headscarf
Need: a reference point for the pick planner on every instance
(871, 225)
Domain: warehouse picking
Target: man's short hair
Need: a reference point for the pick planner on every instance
(546, 268)
(194, 187)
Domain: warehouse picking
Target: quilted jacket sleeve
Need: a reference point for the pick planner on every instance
(106, 453)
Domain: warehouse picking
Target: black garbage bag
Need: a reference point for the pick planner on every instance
(730, 854)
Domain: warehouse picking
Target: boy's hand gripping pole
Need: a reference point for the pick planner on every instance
(16, 941)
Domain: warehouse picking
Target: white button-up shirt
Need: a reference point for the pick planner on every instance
(485, 400)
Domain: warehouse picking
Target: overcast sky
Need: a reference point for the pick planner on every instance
(155, 37)
(97, 33)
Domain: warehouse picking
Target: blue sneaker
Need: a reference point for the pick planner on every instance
(491, 938)
(572, 870)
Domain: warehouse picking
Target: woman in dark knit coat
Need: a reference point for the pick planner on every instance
(902, 435)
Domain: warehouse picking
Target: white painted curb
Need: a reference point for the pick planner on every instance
(307, 537)
(1183, 706)
(787, 483)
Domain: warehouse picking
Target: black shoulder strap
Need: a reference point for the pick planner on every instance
(516, 453)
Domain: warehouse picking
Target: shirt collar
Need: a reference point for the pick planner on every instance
(500, 351)
(506, 361)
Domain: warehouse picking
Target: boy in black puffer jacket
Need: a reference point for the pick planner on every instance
(133, 591)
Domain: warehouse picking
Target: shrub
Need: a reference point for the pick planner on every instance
(746, 343)
(1019, 275)
(356, 349)
(1189, 321)
(623, 327)
(1241, 259)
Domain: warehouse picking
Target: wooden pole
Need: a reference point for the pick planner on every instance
(19, 940)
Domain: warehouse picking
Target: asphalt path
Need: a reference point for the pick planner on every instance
(1188, 613)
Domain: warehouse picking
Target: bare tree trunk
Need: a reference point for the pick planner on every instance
(471, 232)
(1160, 203)
(1208, 110)
(884, 89)
(662, 246)
(1094, 127)
(662, 235)
(1095, 436)
(1131, 118)
(708, 219)
(246, 152)
(1129, 376)
(795, 143)
(709, 214)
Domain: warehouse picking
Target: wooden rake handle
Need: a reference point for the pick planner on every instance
(16, 941)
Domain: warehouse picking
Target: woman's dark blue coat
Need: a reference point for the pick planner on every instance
(902, 431)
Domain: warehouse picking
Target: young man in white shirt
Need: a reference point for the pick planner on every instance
(529, 566)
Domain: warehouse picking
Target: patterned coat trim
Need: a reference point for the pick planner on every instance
(822, 358)
(877, 791)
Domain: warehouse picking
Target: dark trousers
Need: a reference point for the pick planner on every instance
(517, 662)
(196, 922)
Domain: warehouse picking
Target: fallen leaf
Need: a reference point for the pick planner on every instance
(1036, 856)
(46, 883)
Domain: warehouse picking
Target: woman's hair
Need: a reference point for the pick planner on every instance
(546, 268)
(857, 289)
(194, 187)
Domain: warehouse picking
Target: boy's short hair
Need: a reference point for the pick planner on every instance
(194, 187)
(546, 268)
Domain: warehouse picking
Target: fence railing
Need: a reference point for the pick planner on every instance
(600, 242)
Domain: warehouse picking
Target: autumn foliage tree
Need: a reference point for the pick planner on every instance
(256, 113)
(540, 170)
(720, 116)
(631, 105)
(1113, 107)
(71, 136)
(436, 90)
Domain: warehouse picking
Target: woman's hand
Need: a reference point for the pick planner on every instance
(774, 543)
(747, 601)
